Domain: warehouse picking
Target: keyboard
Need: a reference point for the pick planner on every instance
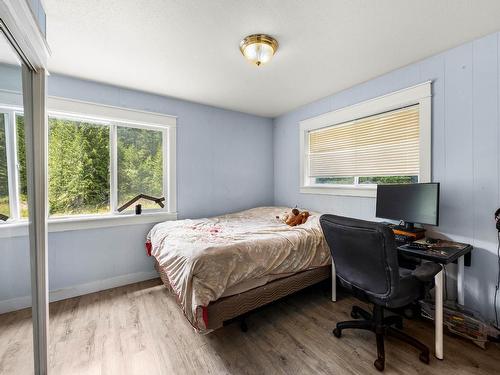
(417, 246)
(402, 238)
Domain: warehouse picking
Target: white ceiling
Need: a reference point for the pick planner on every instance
(189, 49)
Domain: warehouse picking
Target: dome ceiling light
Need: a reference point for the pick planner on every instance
(258, 48)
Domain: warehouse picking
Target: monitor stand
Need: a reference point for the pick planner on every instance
(408, 227)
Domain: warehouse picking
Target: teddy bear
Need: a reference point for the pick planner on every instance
(295, 217)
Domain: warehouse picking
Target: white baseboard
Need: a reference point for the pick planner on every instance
(18, 303)
(14, 304)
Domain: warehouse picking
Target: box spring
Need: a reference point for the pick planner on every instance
(230, 307)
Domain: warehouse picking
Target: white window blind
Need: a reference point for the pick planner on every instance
(386, 144)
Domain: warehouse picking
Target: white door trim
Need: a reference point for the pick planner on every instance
(35, 115)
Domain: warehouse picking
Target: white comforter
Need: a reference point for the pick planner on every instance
(204, 257)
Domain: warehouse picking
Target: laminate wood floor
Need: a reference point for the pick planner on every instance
(139, 329)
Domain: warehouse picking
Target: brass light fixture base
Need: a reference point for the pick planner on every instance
(258, 48)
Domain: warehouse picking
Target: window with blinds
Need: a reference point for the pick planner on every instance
(383, 148)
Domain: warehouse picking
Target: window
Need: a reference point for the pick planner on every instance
(9, 196)
(21, 166)
(79, 167)
(140, 165)
(99, 157)
(375, 149)
(384, 140)
(4, 174)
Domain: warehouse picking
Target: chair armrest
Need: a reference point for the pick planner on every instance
(426, 271)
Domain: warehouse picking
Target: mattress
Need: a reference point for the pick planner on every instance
(212, 258)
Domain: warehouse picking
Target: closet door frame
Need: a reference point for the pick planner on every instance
(35, 116)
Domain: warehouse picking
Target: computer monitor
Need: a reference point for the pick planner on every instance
(412, 203)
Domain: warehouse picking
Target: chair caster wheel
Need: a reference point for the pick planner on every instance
(424, 357)
(354, 315)
(337, 333)
(379, 364)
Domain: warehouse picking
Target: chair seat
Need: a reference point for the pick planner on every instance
(410, 289)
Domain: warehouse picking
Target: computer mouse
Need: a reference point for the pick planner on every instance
(431, 240)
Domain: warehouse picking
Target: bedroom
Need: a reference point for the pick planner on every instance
(220, 135)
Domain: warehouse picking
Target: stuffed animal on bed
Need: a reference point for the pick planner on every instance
(295, 217)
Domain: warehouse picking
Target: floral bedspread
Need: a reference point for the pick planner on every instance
(204, 257)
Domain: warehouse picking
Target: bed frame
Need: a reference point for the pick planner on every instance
(229, 308)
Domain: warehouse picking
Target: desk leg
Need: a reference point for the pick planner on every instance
(460, 281)
(438, 319)
(334, 283)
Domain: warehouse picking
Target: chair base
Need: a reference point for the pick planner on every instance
(381, 326)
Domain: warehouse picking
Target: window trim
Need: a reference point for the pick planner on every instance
(419, 94)
(112, 116)
(19, 228)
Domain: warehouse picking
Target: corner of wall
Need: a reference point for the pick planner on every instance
(273, 124)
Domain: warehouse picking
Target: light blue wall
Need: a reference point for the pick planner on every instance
(39, 14)
(87, 259)
(465, 153)
(224, 164)
(224, 158)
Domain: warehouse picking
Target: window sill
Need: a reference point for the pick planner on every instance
(63, 224)
(344, 190)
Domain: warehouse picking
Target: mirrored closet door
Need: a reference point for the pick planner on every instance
(23, 213)
(16, 327)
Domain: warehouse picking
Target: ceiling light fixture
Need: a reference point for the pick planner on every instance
(258, 48)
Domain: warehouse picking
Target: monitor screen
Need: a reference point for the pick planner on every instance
(412, 203)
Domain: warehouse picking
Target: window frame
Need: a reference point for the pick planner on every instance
(415, 95)
(105, 115)
(114, 165)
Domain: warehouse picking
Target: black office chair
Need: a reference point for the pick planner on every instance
(366, 263)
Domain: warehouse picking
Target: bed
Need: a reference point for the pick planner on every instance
(223, 267)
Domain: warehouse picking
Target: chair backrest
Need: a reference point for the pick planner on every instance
(364, 254)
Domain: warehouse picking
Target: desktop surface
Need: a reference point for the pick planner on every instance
(443, 252)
